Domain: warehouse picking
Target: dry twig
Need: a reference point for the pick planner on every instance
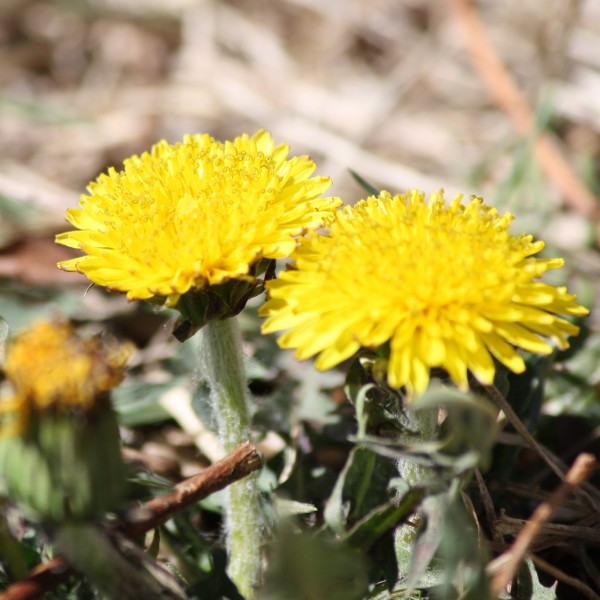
(507, 565)
(244, 460)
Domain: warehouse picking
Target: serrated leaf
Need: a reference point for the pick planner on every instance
(537, 590)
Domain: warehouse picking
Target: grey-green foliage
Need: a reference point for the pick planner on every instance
(305, 566)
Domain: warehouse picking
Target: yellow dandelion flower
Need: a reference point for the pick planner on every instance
(51, 368)
(194, 214)
(446, 285)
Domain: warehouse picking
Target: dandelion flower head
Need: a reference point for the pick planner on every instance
(50, 367)
(446, 285)
(194, 214)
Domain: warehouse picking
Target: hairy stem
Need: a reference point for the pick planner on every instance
(222, 368)
(424, 423)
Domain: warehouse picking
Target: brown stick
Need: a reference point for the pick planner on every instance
(40, 580)
(244, 460)
(511, 560)
(507, 95)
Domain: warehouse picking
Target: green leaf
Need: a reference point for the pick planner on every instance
(288, 508)
(447, 554)
(528, 583)
(470, 427)
(466, 436)
(380, 520)
(361, 486)
(433, 510)
(137, 402)
(21, 304)
(14, 554)
(309, 567)
(378, 408)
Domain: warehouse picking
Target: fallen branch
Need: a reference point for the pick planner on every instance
(244, 460)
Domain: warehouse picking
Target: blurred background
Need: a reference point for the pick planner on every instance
(382, 87)
(385, 88)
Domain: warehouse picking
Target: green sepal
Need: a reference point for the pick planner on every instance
(199, 307)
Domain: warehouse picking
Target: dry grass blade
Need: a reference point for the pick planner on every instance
(506, 93)
(514, 420)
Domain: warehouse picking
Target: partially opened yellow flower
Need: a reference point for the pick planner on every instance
(194, 214)
(51, 368)
(446, 285)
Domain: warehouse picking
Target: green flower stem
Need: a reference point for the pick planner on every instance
(222, 368)
(424, 423)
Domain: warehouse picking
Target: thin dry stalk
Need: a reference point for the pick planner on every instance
(507, 565)
(507, 95)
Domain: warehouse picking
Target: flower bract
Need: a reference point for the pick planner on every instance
(194, 214)
(442, 285)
